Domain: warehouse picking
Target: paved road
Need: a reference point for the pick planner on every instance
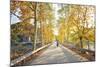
(56, 54)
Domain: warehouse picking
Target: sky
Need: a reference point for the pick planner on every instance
(56, 29)
(14, 19)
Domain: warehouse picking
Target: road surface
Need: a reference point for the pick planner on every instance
(55, 55)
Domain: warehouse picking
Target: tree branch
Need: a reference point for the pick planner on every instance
(15, 15)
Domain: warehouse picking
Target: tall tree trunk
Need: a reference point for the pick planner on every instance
(35, 27)
(41, 32)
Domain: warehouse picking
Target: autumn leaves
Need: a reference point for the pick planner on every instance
(76, 23)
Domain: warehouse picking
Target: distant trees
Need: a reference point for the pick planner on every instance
(63, 18)
(45, 18)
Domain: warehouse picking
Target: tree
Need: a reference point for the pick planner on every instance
(63, 12)
(75, 22)
(80, 16)
(41, 13)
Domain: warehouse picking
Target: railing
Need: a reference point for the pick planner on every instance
(21, 59)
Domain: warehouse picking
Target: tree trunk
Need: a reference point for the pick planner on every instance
(81, 43)
(35, 26)
(88, 45)
(41, 32)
